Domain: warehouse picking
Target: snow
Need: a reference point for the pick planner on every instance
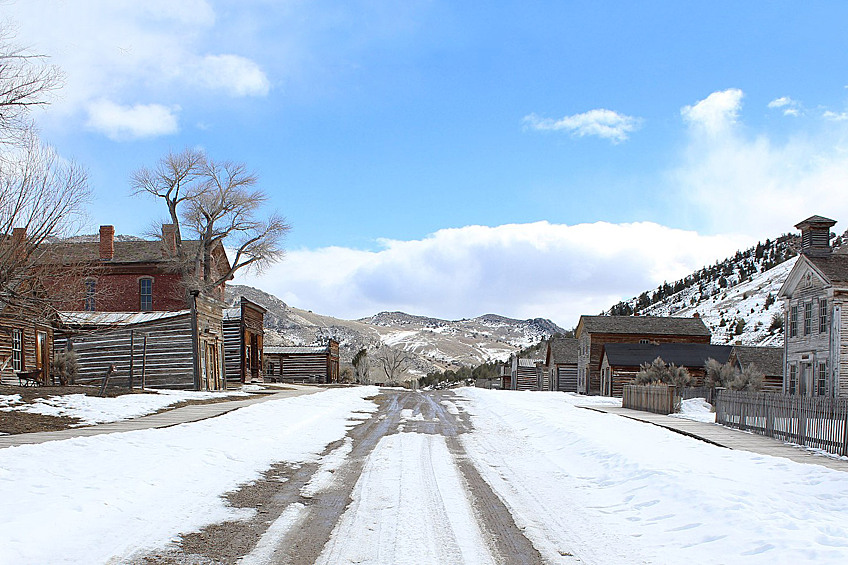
(697, 409)
(112, 496)
(409, 506)
(92, 410)
(612, 490)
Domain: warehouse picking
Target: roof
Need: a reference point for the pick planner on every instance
(645, 325)
(528, 362)
(769, 360)
(299, 349)
(821, 220)
(135, 251)
(832, 266)
(116, 318)
(232, 313)
(562, 350)
(681, 354)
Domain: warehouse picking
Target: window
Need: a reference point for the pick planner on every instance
(821, 388)
(793, 320)
(823, 315)
(644, 341)
(793, 377)
(145, 294)
(90, 289)
(808, 318)
(17, 350)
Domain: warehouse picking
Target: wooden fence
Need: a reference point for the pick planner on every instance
(660, 399)
(814, 421)
(705, 392)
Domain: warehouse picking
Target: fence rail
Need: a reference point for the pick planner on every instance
(660, 399)
(814, 421)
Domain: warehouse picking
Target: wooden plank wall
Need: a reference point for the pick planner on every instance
(566, 378)
(659, 399)
(526, 379)
(232, 351)
(302, 367)
(28, 332)
(169, 353)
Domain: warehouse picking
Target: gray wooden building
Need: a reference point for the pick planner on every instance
(243, 342)
(561, 363)
(306, 364)
(769, 360)
(815, 315)
(527, 374)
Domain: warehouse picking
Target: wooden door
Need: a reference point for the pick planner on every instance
(41, 356)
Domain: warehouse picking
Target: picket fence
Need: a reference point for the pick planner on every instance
(813, 421)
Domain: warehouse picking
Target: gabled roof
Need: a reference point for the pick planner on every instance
(681, 354)
(134, 251)
(116, 318)
(769, 360)
(645, 325)
(833, 266)
(561, 350)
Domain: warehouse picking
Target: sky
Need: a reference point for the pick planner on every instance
(530, 160)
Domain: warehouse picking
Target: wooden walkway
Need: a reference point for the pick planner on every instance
(186, 414)
(729, 438)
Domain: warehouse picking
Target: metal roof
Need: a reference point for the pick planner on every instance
(302, 349)
(116, 318)
(681, 354)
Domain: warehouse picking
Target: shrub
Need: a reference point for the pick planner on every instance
(65, 365)
(751, 379)
(717, 374)
(658, 372)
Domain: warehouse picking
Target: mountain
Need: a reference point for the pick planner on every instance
(736, 297)
(431, 342)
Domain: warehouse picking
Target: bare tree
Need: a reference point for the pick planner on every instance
(218, 204)
(393, 361)
(26, 82)
(361, 370)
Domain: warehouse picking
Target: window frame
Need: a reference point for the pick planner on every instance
(793, 320)
(793, 378)
(90, 305)
(823, 315)
(145, 297)
(808, 318)
(17, 349)
(821, 379)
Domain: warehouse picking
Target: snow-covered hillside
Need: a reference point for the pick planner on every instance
(433, 343)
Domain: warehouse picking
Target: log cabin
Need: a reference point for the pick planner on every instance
(620, 362)
(526, 374)
(815, 299)
(26, 346)
(305, 364)
(243, 342)
(593, 332)
(561, 363)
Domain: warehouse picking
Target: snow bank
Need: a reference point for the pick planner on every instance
(95, 410)
(697, 409)
(612, 490)
(107, 497)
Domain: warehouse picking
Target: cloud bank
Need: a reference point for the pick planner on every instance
(521, 270)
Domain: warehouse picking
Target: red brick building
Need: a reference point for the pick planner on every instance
(131, 275)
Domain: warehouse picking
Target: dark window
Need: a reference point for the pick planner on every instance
(793, 320)
(793, 377)
(822, 378)
(145, 294)
(17, 350)
(808, 318)
(90, 289)
(644, 341)
(823, 315)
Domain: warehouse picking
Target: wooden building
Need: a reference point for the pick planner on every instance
(561, 363)
(305, 364)
(165, 359)
(243, 342)
(769, 360)
(526, 374)
(593, 332)
(620, 362)
(26, 347)
(815, 297)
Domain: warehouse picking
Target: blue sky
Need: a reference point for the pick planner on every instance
(452, 160)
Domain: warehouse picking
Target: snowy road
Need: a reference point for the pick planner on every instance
(363, 475)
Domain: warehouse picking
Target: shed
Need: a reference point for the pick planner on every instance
(310, 364)
(561, 363)
(525, 374)
(769, 360)
(620, 362)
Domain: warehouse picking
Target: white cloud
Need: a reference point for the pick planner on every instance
(741, 183)
(521, 270)
(236, 75)
(716, 113)
(121, 123)
(835, 116)
(789, 106)
(602, 123)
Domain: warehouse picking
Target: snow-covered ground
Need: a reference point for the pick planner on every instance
(697, 409)
(611, 490)
(95, 410)
(104, 498)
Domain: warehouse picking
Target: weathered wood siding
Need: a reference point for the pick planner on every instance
(566, 378)
(29, 331)
(168, 364)
(233, 351)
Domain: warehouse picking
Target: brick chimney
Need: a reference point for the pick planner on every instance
(696, 315)
(815, 235)
(107, 243)
(169, 239)
(18, 236)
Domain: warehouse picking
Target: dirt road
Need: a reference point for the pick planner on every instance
(398, 489)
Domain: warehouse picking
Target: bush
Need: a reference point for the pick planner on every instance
(717, 374)
(750, 379)
(65, 365)
(658, 372)
(776, 322)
